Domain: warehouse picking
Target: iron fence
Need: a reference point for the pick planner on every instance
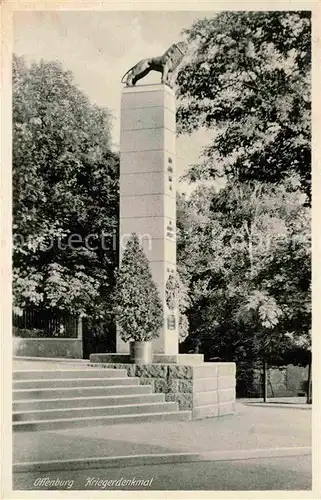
(45, 323)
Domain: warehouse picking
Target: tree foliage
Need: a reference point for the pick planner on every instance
(65, 189)
(248, 79)
(246, 252)
(137, 304)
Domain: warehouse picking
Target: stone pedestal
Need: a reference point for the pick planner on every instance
(207, 389)
(148, 192)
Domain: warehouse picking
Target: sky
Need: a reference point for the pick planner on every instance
(99, 47)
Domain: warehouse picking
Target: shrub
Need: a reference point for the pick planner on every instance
(137, 304)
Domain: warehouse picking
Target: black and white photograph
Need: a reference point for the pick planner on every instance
(160, 255)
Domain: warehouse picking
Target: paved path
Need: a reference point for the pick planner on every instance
(291, 473)
(287, 402)
(250, 428)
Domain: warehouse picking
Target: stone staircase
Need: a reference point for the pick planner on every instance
(83, 396)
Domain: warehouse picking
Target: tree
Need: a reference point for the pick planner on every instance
(248, 80)
(246, 252)
(137, 305)
(246, 249)
(65, 194)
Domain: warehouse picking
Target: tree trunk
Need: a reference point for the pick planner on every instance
(79, 328)
(309, 389)
(248, 229)
(264, 380)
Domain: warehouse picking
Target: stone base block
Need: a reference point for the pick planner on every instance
(206, 398)
(225, 381)
(226, 408)
(109, 358)
(208, 389)
(226, 395)
(205, 411)
(182, 359)
(205, 384)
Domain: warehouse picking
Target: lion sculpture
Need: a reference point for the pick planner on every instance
(165, 64)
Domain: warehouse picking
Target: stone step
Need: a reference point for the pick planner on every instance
(72, 392)
(65, 423)
(84, 402)
(78, 382)
(99, 411)
(68, 374)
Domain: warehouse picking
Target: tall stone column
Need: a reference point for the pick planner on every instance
(148, 208)
(148, 193)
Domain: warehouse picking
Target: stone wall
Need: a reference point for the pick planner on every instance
(48, 347)
(208, 389)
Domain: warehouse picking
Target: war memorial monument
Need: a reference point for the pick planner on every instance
(148, 207)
